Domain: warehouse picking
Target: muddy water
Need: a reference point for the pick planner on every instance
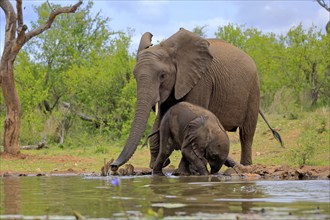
(58, 197)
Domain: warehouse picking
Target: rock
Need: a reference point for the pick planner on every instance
(230, 172)
(105, 168)
(252, 176)
(129, 169)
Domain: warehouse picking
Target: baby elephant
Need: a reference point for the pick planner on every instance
(201, 137)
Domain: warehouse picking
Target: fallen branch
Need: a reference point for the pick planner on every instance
(94, 119)
(40, 145)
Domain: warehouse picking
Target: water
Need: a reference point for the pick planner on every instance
(58, 197)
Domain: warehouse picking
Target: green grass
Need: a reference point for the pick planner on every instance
(305, 134)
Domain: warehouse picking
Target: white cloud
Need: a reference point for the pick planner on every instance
(280, 16)
(152, 11)
(164, 18)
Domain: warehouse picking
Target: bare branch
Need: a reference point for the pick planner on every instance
(20, 40)
(19, 15)
(51, 19)
(323, 4)
(50, 6)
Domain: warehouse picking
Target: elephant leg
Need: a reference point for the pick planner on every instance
(163, 155)
(158, 165)
(193, 170)
(157, 169)
(246, 132)
(246, 146)
(154, 143)
(183, 169)
(165, 149)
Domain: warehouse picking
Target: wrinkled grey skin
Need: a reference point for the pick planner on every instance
(199, 135)
(206, 72)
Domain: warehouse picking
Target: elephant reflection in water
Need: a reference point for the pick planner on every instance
(199, 135)
(206, 194)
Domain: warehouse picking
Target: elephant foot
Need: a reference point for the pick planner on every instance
(158, 173)
(178, 172)
(213, 172)
(246, 161)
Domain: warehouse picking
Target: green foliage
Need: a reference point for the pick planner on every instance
(200, 30)
(298, 60)
(83, 62)
(305, 149)
(30, 82)
(307, 63)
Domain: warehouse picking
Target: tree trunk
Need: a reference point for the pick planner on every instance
(13, 44)
(12, 121)
(13, 109)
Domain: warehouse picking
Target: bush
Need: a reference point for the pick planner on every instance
(306, 146)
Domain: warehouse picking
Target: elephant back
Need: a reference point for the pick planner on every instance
(231, 57)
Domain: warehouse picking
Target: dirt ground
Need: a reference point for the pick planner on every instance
(256, 171)
(259, 171)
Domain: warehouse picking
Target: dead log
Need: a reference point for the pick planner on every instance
(93, 119)
(40, 145)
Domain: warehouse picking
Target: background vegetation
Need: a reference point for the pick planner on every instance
(77, 89)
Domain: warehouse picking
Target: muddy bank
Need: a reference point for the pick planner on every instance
(252, 172)
(259, 171)
(256, 171)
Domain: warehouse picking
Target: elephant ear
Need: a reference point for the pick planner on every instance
(196, 133)
(192, 57)
(145, 41)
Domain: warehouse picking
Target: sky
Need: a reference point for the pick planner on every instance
(164, 18)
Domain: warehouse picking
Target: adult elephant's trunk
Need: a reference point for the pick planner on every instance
(145, 101)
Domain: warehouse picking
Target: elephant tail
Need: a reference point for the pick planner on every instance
(149, 136)
(276, 135)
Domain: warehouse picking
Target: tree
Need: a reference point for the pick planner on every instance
(307, 62)
(15, 38)
(200, 30)
(234, 34)
(83, 38)
(324, 5)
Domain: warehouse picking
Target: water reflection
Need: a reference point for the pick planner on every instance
(204, 193)
(10, 196)
(188, 196)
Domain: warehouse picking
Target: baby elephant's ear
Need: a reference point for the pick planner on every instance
(193, 129)
(196, 135)
(198, 122)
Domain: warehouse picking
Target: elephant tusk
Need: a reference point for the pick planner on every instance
(157, 108)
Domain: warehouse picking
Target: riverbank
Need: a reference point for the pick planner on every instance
(305, 154)
(71, 166)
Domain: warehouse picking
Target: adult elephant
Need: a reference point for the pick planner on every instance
(207, 72)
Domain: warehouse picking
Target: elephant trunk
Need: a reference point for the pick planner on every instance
(144, 104)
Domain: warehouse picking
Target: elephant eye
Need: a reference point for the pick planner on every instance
(162, 76)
